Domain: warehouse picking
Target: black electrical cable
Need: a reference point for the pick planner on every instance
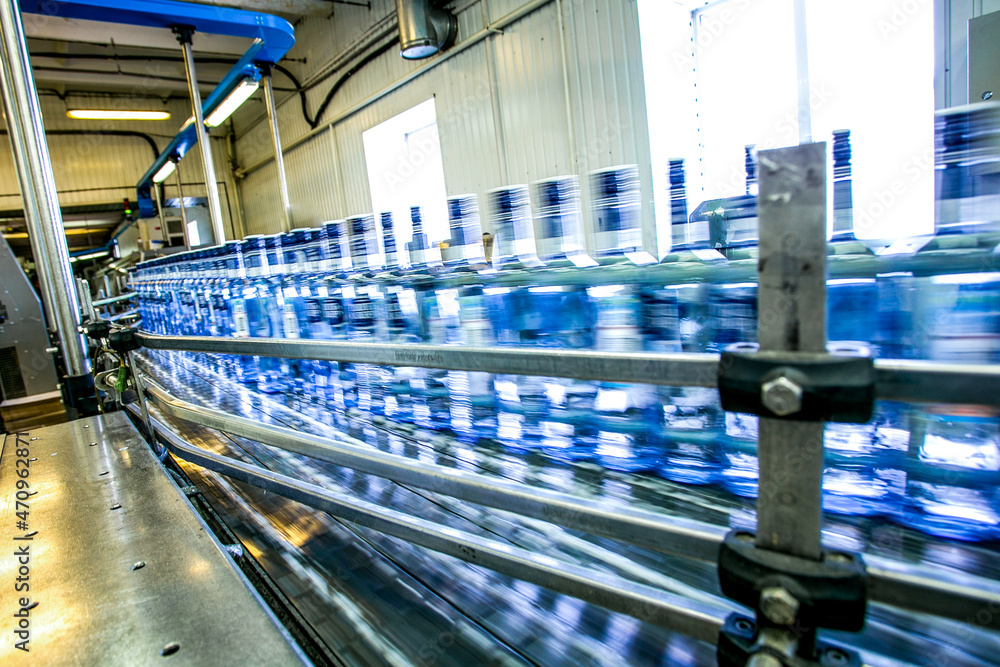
(314, 122)
(114, 133)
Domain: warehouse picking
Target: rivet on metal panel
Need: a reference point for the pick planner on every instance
(116, 506)
(33, 458)
(33, 439)
(138, 565)
(93, 444)
(104, 473)
(86, 425)
(170, 649)
(31, 534)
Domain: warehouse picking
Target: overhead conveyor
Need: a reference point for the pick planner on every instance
(272, 38)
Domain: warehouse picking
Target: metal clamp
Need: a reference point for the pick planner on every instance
(799, 386)
(793, 597)
(123, 341)
(97, 329)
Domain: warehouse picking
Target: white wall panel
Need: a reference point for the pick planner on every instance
(511, 108)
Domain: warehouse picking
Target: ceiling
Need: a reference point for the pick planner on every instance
(70, 55)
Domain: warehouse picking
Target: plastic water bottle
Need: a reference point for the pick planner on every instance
(565, 321)
(672, 323)
(389, 252)
(627, 417)
(472, 403)
(465, 248)
(560, 220)
(513, 230)
(953, 465)
(843, 199)
(366, 256)
(617, 212)
(732, 318)
(265, 268)
(686, 234)
(967, 169)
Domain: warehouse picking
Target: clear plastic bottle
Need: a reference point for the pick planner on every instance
(627, 417)
(967, 169)
(686, 234)
(472, 404)
(513, 230)
(672, 322)
(559, 218)
(617, 211)
(953, 463)
(465, 248)
(265, 308)
(843, 198)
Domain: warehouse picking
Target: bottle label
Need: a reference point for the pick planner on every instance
(291, 321)
(241, 326)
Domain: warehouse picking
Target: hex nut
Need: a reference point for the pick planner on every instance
(778, 605)
(781, 396)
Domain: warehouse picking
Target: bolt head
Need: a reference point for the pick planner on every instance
(778, 605)
(781, 396)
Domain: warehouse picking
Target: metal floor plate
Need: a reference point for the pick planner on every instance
(93, 607)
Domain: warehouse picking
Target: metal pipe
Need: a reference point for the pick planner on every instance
(279, 160)
(662, 533)
(38, 189)
(159, 204)
(211, 186)
(699, 620)
(184, 220)
(114, 299)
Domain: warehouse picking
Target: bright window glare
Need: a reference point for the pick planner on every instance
(721, 76)
(194, 238)
(403, 157)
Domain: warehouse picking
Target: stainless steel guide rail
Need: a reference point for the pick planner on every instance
(675, 612)
(897, 379)
(909, 586)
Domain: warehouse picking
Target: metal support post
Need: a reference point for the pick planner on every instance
(791, 318)
(279, 160)
(41, 207)
(211, 187)
(140, 396)
(159, 204)
(180, 205)
(86, 302)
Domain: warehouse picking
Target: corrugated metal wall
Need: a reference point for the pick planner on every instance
(100, 169)
(557, 91)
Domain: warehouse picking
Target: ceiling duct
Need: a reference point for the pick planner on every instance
(424, 30)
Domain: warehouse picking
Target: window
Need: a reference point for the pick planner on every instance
(724, 74)
(403, 157)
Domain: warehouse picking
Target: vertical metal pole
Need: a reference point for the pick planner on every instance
(279, 160)
(38, 193)
(86, 303)
(159, 204)
(802, 72)
(141, 395)
(792, 318)
(211, 186)
(180, 198)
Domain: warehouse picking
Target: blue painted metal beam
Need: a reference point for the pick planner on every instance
(277, 33)
(273, 37)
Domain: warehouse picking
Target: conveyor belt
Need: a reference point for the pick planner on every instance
(101, 503)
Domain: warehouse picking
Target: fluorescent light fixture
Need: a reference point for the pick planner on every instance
(92, 255)
(108, 114)
(232, 102)
(165, 171)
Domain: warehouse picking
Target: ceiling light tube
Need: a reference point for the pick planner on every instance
(232, 102)
(165, 171)
(109, 114)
